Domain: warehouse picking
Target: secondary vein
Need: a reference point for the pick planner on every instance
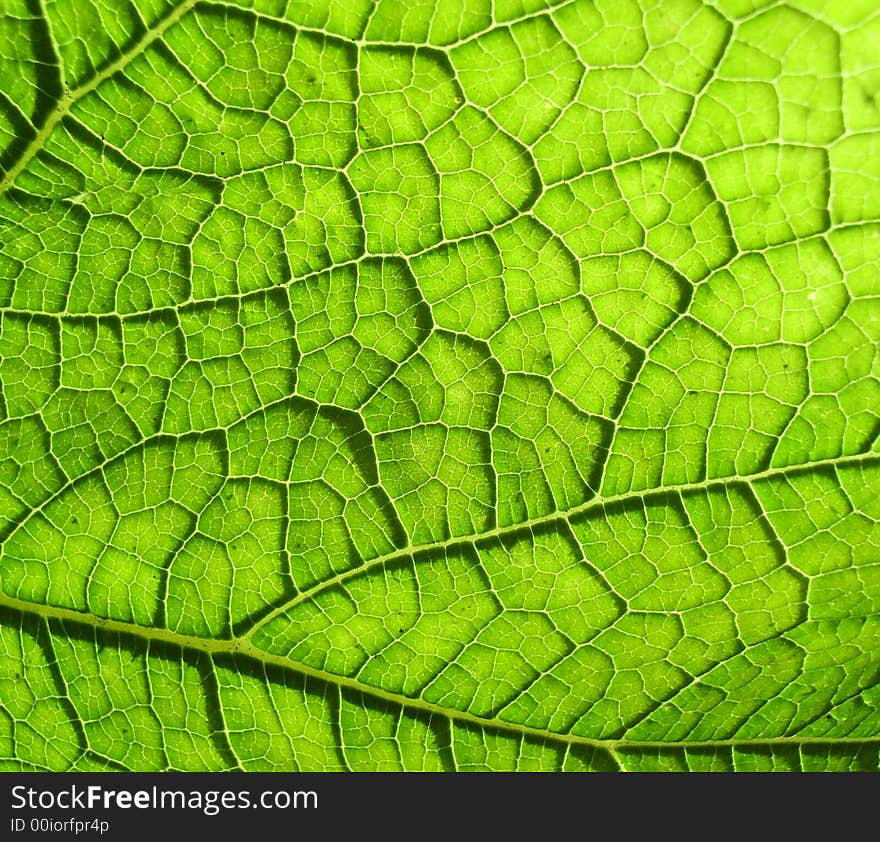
(72, 95)
(594, 503)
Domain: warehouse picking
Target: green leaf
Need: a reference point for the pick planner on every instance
(460, 386)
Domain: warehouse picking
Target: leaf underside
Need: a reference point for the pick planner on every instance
(454, 385)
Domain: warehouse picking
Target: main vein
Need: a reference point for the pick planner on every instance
(241, 648)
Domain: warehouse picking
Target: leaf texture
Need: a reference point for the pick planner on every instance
(449, 386)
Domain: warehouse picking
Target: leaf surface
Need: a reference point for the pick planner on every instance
(473, 386)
